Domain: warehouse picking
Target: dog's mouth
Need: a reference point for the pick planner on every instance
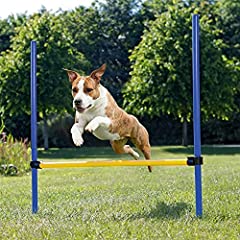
(81, 109)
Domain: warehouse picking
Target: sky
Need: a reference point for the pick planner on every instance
(9, 7)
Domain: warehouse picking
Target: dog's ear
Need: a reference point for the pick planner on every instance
(97, 74)
(72, 75)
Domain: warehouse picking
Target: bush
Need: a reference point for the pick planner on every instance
(14, 156)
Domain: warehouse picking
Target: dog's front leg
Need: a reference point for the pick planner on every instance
(77, 131)
(98, 122)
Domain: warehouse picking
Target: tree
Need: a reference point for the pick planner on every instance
(55, 51)
(105, 33)
(7, 30)
(161, 67)
(228, 22)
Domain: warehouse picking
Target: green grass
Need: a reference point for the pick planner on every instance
(125, 203)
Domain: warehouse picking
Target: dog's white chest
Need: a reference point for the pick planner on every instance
(99, 127)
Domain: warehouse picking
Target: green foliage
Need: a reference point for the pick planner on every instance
(229, 23)
(5, 34)
(54, 47)
(159, 72)
(161, 68)
(2, 126)
(110, 32)
(14, 157)
(105, 33)
(7, 30)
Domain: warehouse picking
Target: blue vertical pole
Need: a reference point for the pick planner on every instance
(34, 126)
(196, 111)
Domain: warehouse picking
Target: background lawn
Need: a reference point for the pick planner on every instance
(127, 202)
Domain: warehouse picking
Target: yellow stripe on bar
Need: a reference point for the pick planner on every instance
(114, 163)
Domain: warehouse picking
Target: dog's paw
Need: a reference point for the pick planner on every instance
(76, 136)
(92, 126)
(136, 155)
(77, 141)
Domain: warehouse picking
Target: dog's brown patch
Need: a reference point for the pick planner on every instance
(91, 87)
(126, 125)
(128, 128)
(121, 121)
(75, 88)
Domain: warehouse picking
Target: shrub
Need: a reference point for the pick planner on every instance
(14, 156)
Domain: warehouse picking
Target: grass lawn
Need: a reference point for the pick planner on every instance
(125, 203)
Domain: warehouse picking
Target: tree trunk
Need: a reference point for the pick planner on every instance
(184, 133)
(45, 131)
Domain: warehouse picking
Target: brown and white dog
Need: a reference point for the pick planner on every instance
(98, 113)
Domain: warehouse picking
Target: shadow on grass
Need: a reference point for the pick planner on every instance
(208, 150)
(165, 211)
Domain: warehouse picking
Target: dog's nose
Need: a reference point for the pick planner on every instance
(77, 102)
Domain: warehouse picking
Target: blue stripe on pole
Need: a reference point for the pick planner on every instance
(196, 111)
(34, 126)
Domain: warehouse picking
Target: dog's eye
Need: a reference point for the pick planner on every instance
(75, 90)
(89, 90)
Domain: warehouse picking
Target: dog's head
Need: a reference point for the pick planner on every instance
(85, 90)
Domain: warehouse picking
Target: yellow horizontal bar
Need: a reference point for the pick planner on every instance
(114, 163)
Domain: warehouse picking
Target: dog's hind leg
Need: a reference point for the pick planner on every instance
(130, 151)
(119, 147)
(142, 143)
(146, 150)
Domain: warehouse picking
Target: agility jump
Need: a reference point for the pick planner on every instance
(191, 161)
(195, 161)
